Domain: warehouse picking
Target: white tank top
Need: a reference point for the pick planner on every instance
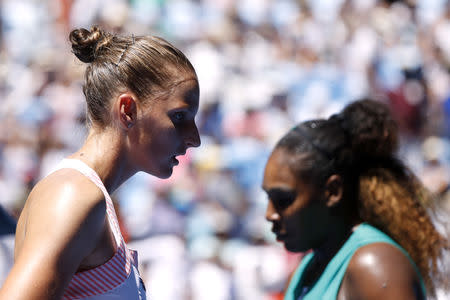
(118, 278)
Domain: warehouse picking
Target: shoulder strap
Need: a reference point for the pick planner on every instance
(327, 287)
(297, 277)
(93, 176)
(369, 234)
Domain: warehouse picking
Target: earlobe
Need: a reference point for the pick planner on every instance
(127, 110)
(333, 190)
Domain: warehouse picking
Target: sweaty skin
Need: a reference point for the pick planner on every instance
(63, 227)
(59, 232)
(380, 271)
(301, 216)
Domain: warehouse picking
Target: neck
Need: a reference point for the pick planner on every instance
(104, 152)
(338, 235)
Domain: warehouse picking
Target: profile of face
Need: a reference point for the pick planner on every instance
(164, 129)
(296, 208)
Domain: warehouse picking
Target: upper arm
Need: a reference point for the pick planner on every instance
(381, 271)
(64, 222)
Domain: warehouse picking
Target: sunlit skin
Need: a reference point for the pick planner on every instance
(166, 130)
(301, 215)
(63, 227)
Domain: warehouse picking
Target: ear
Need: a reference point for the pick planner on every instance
(127, 110)
(333, 190)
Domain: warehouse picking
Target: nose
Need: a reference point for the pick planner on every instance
(271, 213)
(193, 137)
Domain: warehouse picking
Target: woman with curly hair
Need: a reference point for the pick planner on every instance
(142, 96)
(336, 187)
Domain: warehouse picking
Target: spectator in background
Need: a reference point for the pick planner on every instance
(7, 230)
(335, 186)
(268, 57)
(142, 96)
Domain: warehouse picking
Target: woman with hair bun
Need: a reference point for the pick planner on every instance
(336, 187)
(142, 96)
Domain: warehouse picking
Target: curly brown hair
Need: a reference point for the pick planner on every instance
(360, 144)
(395, 204)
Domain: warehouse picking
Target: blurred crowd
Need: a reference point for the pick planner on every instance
(263, 66)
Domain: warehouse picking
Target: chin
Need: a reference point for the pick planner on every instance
(165, 173)
(162, 173)
(165, 176)
(292, 247)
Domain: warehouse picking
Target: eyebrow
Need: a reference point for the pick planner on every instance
(279, 190)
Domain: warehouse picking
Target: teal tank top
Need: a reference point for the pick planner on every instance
(327, 286)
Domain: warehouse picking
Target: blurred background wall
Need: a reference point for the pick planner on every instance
(263, 66)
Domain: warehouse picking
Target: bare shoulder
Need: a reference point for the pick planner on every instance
(64, 204)
(66, 182)
(381, 271)
(60, 225)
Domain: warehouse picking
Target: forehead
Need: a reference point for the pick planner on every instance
(185, 91)
(278, 172)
